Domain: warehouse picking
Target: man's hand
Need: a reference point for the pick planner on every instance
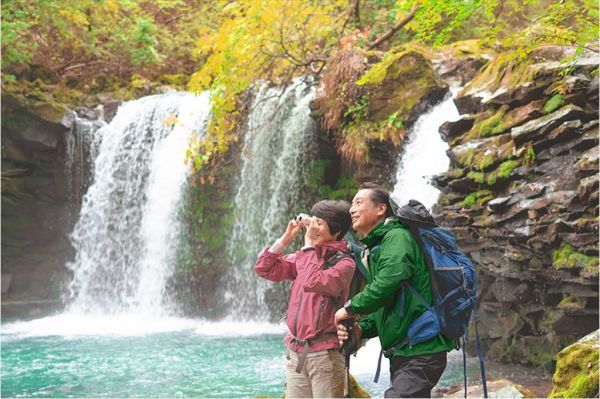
(292, 230)
(312, 236)
(342, 332)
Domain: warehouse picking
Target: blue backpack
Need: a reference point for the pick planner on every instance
(454, 286)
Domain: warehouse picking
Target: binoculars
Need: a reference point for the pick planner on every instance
(303, 218)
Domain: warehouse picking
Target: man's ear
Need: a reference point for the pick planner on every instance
(381, 209)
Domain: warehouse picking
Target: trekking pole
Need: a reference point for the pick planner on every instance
(346, 349)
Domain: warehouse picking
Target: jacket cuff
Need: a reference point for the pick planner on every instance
(277, 247)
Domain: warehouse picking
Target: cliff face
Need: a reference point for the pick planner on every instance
(522, 199)
(36, 208)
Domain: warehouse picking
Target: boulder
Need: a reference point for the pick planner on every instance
(497, 388)
(405, 83)
(576, 374)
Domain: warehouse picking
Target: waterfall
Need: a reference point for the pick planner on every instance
(127, 232)
(82, 144)
(424, 156)
(279, 144)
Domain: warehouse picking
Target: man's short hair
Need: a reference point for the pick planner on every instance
(378, 195)
(335, 213)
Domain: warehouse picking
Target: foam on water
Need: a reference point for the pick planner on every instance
(76, 324)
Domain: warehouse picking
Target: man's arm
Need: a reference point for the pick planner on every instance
(395, 264)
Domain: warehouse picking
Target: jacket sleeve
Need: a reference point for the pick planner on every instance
(334, 281)
(395, 264)
(274, 267)
(369, 328)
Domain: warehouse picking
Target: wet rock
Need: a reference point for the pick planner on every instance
(588, 189)
(589, 160)
(498, 323)
(450, 130)
(519, 95)
(498, 204)
(536, 127)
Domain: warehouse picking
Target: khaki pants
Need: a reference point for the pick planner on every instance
(321, 377)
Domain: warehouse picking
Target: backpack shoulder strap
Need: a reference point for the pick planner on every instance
(335, 258)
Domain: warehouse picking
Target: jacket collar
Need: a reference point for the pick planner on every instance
(376, 235)
(327, 248)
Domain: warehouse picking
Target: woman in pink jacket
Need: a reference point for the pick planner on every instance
(321, 273)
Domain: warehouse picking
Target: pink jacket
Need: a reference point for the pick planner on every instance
(311, 309)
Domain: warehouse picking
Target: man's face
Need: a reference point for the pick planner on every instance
(364, 213)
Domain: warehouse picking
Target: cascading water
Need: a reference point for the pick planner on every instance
(424, 156)
(127, 231)
(81, 150)
(278, 147)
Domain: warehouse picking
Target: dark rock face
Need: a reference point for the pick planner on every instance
(533, 233)
(36, 212)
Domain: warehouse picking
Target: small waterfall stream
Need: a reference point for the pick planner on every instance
(278, 147)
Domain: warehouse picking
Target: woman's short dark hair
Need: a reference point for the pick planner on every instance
(378, 195)
(335, 213)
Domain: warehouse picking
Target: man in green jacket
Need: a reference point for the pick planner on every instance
(393, 257)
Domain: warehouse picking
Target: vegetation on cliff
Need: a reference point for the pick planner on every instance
(226, 46)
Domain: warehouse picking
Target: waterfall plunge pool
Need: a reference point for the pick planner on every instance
(131, 356)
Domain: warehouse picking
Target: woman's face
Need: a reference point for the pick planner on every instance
(323, 233)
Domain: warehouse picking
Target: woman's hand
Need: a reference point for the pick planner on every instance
(312, 236)
(292, 230)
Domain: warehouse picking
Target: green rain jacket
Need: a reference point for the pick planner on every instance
(398, 258)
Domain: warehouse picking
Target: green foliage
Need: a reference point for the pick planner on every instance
(554, 103)
(395, 121)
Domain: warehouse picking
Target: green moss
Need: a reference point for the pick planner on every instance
(492, 125)
(567, 258)
(478, 197)
(486, 160)
(554, 103)
(477, 177)
(456, 173)
(571, 303)
(507, 70)
(576, 373)
(386, 67)
(506, 168)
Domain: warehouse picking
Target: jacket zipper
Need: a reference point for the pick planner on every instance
(321, 306)
(297, 313)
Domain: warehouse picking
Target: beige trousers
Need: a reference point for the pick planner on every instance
(321, 377)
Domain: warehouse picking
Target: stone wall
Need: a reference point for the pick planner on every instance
(522, 199)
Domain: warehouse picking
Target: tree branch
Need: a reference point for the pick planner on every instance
(394, 28)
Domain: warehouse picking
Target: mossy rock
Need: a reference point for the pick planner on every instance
(576, 373)
(402, 80)
(567, 258)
